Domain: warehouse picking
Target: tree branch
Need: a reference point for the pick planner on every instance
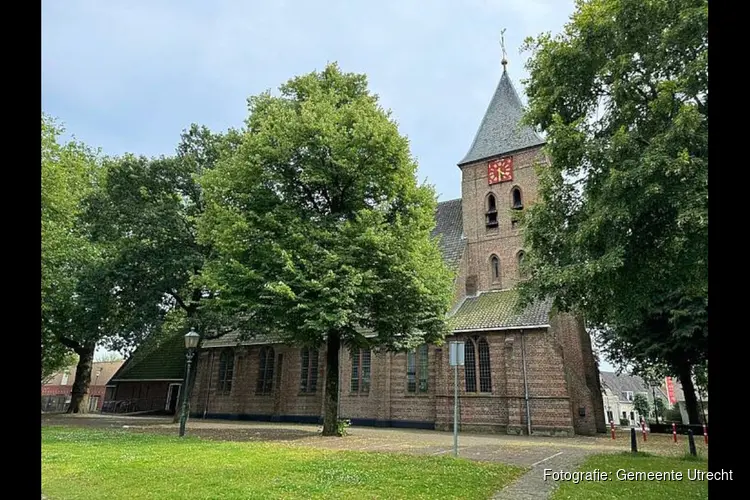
(70, 344)
(179, 300)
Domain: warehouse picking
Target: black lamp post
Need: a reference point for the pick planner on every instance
(191, 342)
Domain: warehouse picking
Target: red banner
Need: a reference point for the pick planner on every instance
(670, 391)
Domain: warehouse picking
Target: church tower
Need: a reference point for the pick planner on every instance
(498, 183)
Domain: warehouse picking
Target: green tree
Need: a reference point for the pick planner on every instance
(321, 231)
(641, 405)
(660, 408)
(65, 172)
(145, 214)
(674, 414)
(621, 232)
(72, 304)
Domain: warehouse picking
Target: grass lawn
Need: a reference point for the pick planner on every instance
(635, 489)
(111, 464)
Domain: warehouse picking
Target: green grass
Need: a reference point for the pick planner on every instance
(105, 464)
(641, 489)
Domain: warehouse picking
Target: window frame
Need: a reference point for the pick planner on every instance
(496, 270)
(477, 366)
(491, 220)
(361, 362)
(266, 368)
(513, 204)
(226, 372)
(309, 367)
(418, 370)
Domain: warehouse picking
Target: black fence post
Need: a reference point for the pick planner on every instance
(691, 441)
(633, 441)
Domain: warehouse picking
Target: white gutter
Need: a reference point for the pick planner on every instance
(501, 328)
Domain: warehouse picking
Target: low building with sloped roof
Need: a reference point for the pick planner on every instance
(151, 379)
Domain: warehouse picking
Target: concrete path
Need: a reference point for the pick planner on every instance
(534, 485)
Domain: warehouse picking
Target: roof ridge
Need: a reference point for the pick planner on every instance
(449, 201)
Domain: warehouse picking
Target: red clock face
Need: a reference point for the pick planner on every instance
(500, 170)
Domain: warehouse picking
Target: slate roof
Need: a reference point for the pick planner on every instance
(232, 339)
(501, 131)
(449, 227)
(497, 309)
(157, 359)
(626, 383)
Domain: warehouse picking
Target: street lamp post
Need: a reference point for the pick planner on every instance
(191, 342)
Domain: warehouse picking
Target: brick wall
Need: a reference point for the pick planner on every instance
(504, 409)
(505, 241)
(554, 394)
(582, 374)
(285, 401)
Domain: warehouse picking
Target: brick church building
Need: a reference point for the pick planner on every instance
(532, 371)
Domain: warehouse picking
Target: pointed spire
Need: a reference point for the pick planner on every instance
(504, 61)
(501, 130)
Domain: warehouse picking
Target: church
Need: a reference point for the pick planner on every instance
(529, 372)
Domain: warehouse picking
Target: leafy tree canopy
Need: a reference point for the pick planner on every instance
(621, 231)
(145, 214)
(319, 224)
(320, 230)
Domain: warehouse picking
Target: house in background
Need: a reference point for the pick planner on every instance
(618, 394)
(673, 389)
(150, 379)
(57, 391)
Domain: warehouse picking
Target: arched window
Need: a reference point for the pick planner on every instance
(491, 215)
(417, 369)
(309, 373)
(474, 364)
(495, 268)
(226, 371)
(516, 201)
(265, 372)
(521, 270)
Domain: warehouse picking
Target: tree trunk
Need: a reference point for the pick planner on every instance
(656, 408)
(331, 416)
(79, 398)
(691, 402)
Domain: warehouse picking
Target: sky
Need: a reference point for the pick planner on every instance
(129, 76)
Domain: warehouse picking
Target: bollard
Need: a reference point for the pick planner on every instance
(612, 427)
(633, 441)
(691, 442)
(674, 432)
(643, 429)
(705, 433)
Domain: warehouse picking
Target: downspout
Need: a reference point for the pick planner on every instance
(525, 384)
(210, 377)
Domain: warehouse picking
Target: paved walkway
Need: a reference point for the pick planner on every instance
(533, 486)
